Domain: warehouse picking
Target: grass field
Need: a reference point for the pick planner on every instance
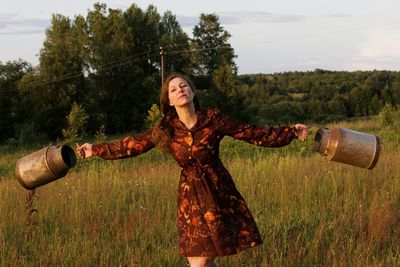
(311, 212)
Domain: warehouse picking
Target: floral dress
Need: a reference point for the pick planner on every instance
(213, 218)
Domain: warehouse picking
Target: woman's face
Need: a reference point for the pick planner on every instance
(179, 92)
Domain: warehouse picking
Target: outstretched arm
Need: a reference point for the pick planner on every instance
(127, 147)
(262, 136)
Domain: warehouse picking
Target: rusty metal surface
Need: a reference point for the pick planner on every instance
(321, 140)
(44, 166)
(348, 146)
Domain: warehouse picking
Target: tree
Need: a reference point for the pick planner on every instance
(212, 39)
(176, 45)
(337, 106)
(57, 82)
(225, 92)
(144, 26)
(10, 74)
(153, 115)
(76, 121)
(388, 115)
(396, 91)
(123, 76)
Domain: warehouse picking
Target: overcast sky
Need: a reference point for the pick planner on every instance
(268, 36)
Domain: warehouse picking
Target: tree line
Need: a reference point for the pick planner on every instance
(101, 73)
(319, 96)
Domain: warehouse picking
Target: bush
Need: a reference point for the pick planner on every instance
(76, 120)
(154, 115)
(388, 115)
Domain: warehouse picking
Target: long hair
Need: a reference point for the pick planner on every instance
(163, 131)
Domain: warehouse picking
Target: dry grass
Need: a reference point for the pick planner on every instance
(311, 212)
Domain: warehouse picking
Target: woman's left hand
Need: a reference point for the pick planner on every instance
(301, 131)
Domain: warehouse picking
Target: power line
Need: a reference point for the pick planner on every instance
(119, 62)
(163, 53)
(108, 65)
(105, 66)
(197, 49)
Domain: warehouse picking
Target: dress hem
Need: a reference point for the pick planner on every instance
(221, 255)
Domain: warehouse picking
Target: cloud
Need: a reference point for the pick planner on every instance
(231, 18)
(11, 24)
(339, 16)
(379, 49)
(259, 16)
(381, 43)
(187, 21)
(304, 65)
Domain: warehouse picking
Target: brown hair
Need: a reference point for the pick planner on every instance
(163, 130)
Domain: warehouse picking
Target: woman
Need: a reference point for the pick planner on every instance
(213, 218)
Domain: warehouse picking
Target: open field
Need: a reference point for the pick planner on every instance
(311, 212)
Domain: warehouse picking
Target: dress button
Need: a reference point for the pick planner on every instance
(189, 133)
(190, 157)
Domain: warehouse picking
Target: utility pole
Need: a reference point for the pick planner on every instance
(162, 66)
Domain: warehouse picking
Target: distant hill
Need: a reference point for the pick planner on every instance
(318, 95)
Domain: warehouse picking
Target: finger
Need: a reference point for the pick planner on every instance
(82, 154)
(82, 147)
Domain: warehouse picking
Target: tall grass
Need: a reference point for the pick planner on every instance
(310, 211)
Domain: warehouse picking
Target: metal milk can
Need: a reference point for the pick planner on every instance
(44, 166)
(348, 146)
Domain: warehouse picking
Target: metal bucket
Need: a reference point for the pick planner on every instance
(44, 166)
(348, 146)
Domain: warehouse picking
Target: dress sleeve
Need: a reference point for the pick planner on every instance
(127, 147)
(260, 136)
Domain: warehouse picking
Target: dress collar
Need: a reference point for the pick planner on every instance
(203, 117)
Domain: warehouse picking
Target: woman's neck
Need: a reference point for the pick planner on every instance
(187, 115)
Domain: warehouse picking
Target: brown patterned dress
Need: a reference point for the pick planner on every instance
(213, 218)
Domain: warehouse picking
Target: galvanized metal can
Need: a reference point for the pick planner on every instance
(348, 146)
(44, 166)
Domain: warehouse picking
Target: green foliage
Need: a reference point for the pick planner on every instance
(172, 37)
(389, 115)
(76, 121)
(48, 91)
(124, 73)
(153, 115)
(208, 34)
(320, 96)
(28, 134)
(10, 73)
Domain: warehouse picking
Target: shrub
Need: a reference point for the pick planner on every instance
(76, 120)
(154, 114)
(388, 115)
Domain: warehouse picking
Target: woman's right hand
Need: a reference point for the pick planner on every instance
(84, 151)
(302, 132)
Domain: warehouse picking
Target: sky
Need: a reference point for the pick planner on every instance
(267, 36)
